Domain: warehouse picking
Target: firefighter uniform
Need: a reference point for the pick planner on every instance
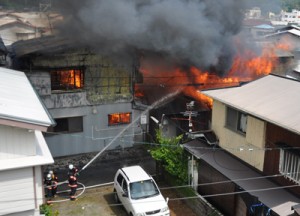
(54, 182)
(48, 184)
(73, 172)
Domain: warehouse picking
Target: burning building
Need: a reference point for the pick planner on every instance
(88, 95)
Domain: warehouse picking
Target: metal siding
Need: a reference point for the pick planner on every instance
(16, 191)
(16, 142)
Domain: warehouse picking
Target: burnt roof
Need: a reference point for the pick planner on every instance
(42, 45)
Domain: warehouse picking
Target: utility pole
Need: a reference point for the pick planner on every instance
(190, 113)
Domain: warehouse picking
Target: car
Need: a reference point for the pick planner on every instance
(139, 193)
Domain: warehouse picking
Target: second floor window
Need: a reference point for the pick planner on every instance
(119, 118)
(67, 79)
(289, 165)
(236, 120)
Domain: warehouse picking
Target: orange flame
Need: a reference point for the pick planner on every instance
(246, 66)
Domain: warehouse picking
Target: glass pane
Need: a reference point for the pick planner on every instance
(143, 189)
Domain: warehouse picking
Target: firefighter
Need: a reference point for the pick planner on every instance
(48, 184)
(54, 182)
(73, 173)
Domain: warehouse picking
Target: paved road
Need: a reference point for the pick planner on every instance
(104, 167)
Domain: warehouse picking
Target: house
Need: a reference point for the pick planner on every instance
(261, 30)
(257, 160)
(26, 25)
(291, 17)
(89, 95)
(288, 39)
(23, 150)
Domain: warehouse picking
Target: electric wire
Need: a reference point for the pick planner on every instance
(240, 148)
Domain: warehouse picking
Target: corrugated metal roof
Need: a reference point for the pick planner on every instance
(294, 31)
(272, 98)
(18, 100)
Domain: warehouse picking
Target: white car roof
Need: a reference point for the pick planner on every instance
(136, 173)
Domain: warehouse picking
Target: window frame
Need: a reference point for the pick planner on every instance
(289, 165)
(57, 84)
(233, 120)
(112, 122)
(72, 125)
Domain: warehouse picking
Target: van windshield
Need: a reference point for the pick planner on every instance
(143, 189)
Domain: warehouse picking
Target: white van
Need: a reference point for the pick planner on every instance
(138, 193)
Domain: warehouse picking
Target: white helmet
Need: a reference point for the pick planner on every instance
(48, 176)
(50, 172)
(71, 166)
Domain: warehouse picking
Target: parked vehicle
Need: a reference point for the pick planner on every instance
(139, 193)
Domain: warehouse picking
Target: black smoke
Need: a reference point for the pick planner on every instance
(185, 32)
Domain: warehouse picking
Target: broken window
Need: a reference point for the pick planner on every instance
(119, 118)
(67, 79)
(236, 120)
(289, 165)
(68, 125)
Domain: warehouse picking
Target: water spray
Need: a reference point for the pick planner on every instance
(136, 119)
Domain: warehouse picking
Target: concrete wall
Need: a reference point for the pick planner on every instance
(107, 89)
(96, 133)
(248, 148)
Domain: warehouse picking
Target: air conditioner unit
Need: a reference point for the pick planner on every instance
(207, 136)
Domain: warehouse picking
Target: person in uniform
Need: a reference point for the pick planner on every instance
(72, 174)
(54, 182)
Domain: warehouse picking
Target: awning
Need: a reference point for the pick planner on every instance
(270, 194)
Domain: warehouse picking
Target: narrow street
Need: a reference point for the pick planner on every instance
(99, 200)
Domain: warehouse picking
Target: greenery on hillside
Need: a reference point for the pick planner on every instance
(288, 5)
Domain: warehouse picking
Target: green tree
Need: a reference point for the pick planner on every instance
(289, 5)
(171, 155)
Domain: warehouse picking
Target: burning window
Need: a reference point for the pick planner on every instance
(236, 120)
(119, 118)
(67, 79)
(68, 125)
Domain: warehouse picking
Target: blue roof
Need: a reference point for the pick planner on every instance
(264, 26)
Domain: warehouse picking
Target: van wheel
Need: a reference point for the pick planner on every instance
(116, 196)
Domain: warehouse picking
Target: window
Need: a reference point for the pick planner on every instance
(68, 125)
(120, 179)
(67, 79)
(289, 165)
(143, 189)
(119, 118)
(124, 186)
(236, 120)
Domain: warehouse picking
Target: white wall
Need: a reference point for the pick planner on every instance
(16, 142)
(16, 191)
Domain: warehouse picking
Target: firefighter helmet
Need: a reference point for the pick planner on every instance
(48, 176)
(71, 166)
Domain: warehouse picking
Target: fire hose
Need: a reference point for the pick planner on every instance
(63, 200)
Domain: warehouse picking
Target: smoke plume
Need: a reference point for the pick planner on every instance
(187, 32)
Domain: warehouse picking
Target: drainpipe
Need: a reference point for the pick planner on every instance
(192, 172)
